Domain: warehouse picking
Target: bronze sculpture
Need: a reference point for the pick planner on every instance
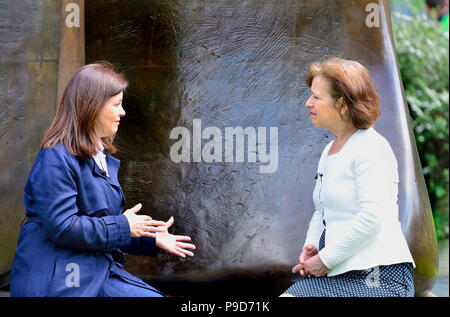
(237, 64)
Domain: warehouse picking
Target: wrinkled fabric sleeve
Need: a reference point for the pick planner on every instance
(141, 246)
(54, 192)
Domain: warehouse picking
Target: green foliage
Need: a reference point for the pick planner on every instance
(423, 55)
(407, 5)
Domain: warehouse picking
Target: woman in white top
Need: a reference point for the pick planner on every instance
(354, 245)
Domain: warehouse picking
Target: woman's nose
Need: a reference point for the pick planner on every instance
(308, 103)
(121, 111)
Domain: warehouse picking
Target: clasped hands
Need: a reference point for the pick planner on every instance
(145, 226)
(310, 263)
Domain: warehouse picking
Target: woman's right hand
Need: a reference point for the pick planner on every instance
(143, 225)
(308, 252)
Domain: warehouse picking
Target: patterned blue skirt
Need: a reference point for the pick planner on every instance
(395, 280)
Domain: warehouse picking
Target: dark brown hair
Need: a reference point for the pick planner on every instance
(84, 97)
(350, 81)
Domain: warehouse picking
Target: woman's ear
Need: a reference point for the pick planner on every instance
(342, 107)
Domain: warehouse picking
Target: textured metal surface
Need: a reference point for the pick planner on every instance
(71, 44)
(243, 64)
(229, 64)
(29, 48)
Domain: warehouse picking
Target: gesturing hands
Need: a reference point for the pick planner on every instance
(145, 226)
(310, 263)
(172, 243)
(142, 225)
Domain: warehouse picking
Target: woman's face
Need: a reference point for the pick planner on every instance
(321, 105)
(109, 119)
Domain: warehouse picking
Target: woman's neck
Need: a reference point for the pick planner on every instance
(343, 133)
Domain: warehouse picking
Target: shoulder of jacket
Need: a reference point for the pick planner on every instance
(371, 145)
(59, 154)
(371, 140)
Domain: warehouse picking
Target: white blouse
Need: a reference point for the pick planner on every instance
(100, 159)
(356, 194)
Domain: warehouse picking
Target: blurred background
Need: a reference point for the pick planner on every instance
(422, 45)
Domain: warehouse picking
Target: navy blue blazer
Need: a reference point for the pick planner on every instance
(75, 225)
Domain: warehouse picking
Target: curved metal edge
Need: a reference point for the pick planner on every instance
(427, 266)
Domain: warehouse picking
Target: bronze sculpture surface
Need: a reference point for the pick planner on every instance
(198, 68)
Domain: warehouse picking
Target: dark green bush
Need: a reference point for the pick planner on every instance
(422, 49)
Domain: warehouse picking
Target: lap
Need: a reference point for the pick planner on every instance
(118, 287)
(381, 281)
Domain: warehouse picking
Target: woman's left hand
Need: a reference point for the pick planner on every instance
(315, 267)
(173, 243)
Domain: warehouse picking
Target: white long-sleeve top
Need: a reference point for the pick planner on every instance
(357, 197)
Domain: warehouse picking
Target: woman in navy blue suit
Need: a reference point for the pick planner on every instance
(72, 241)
